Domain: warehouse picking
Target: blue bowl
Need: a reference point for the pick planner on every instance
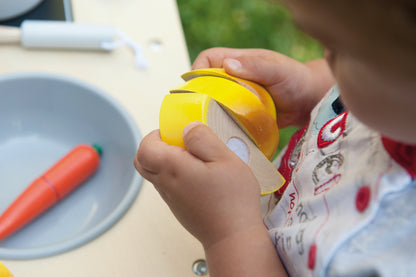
(42, 117)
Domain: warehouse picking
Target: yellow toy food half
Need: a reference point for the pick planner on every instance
(179, 109)
(256, 118)
(4, 272)
(255, 88)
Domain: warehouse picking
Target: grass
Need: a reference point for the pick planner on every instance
(245, 24)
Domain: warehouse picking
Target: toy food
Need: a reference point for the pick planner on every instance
(52, 186)
(4, 272)
(244, 120)
(255, 114)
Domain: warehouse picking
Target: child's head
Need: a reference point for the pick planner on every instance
(371, 49)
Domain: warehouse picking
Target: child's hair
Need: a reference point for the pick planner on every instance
(404, 12)
(410, 7)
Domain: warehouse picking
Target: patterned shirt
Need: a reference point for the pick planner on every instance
(346, 208)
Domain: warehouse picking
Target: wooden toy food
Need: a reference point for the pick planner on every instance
(240, 112)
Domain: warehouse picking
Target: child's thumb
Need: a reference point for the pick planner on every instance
(203, 143)
(254, 68)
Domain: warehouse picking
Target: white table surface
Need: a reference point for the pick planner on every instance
(147, 241)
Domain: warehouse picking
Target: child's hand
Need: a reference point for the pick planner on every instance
(209, 189)
(295, 87)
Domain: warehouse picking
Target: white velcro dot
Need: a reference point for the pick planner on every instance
(239, 147)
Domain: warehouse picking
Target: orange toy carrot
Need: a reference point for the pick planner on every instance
(45, 191)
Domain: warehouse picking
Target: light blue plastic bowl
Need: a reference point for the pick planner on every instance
(42, 117)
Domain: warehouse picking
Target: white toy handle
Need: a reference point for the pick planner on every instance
(56, 34)
(69, 35)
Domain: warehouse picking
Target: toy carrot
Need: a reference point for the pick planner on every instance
(45, 191)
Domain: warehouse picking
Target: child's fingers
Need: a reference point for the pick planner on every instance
(266, 68)
(156, 159)
(152, 154)
(214, 57)
(203, 143)
(141, 161)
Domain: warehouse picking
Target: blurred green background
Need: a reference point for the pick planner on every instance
(245, 24)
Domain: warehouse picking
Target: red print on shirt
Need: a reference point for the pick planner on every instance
(288, 160)
(403, 154)
(332, 130)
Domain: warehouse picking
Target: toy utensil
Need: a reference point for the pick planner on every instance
(69, 35)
